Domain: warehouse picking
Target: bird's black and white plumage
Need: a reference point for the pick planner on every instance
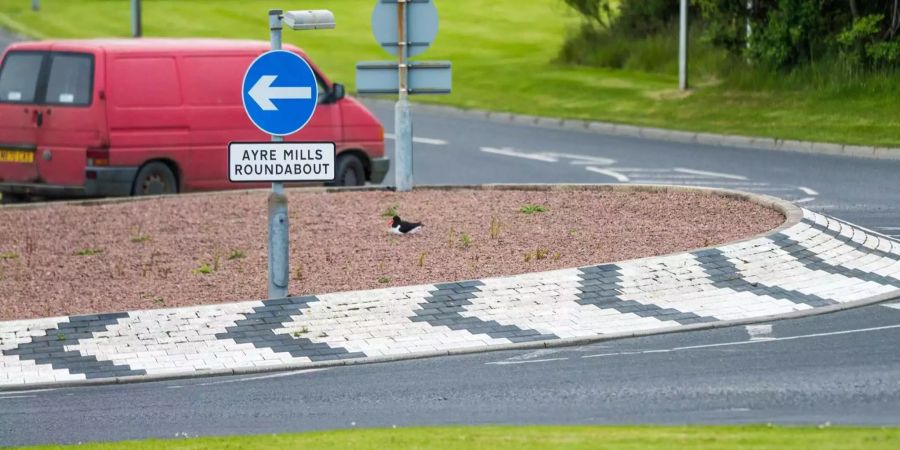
(400, 227)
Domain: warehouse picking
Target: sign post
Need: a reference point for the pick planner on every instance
(280, 94)
(279, 228)
(405, 28)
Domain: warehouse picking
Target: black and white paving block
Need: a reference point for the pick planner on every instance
(817, 262)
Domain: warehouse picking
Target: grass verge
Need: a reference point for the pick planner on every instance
(503, 53)
(542, 437)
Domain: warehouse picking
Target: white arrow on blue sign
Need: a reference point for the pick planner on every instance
(280, 92)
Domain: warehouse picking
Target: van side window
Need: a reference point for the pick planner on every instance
(19, 77)
(71, 80)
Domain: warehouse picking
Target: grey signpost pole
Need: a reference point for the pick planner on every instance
(136, 18)
(683, 47)
(402, 122)
(35, 5)
(279, 251)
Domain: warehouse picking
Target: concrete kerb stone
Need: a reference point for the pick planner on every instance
(662, 134)
(793, 216)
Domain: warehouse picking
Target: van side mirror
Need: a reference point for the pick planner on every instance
(337, 92)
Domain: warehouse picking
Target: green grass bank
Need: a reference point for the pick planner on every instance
(504, 54)
(540, 437)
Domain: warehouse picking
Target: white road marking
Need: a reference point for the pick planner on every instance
(420, 140)
(807, 190)
(759, 332)
(506, 363)
(890, 228)
(608, 172)
(710, 174)
(805, 200)
(261, 377)
(728, 344)
(506, 151)
(584, 159)
(534, 355)
(892, 305)
(17, 396)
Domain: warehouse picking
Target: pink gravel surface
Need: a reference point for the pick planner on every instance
(69, 259)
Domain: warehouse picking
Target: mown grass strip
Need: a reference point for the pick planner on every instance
(542, 437)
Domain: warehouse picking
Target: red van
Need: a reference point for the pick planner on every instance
(124, 117)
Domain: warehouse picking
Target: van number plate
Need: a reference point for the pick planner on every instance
(16, 156)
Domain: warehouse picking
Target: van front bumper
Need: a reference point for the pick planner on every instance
(380, 167)
(109, 181)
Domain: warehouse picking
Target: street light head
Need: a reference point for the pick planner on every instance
(318, 19)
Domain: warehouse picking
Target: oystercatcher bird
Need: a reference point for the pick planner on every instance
(400, 227)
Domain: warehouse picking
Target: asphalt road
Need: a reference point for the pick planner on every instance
(807, 374)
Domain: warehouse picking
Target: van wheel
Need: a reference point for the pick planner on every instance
(349, 171)
(155, 178)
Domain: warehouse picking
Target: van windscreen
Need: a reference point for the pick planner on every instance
(71, 79)
(19, 77)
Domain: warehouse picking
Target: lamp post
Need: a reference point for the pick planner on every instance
(279, 229)
(683, 47)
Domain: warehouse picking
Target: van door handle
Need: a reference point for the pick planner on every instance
(39, 118)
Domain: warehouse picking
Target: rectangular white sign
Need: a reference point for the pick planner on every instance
(281, 161)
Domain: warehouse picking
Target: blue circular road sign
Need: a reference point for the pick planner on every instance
(280, 92)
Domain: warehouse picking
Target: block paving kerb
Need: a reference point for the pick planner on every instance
(816, 262)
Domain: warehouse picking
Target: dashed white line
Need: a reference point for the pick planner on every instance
(17, 396)
(608, 172)
(807, 190)
(239, 380)
(530, 361)
(892, 305)
(506, 151)
(759, 332)
(420, 140)
(261, 377)
(710, 174)
(805, 200)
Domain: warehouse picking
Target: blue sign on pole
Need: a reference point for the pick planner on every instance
(280, 92)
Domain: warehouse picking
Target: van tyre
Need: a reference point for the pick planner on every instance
(349, 171)
(155, 178)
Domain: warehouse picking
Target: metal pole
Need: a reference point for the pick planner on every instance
(402, 122)
(749, 18)
(136, 18)
(279, 246)
(683, 47)
(35, 5)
